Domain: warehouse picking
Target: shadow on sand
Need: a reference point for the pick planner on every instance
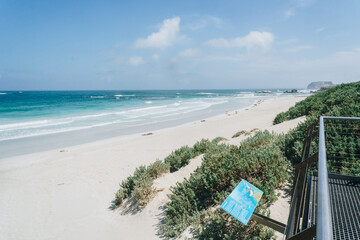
(128, 207)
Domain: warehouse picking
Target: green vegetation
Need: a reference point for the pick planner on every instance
(218, 224)
(259, 159)
(181, 157)
(343, 144)
(342, 100)
(140, 184)
(343, 147)
(244, 132)
(263, 159)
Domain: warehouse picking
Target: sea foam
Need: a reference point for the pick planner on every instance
(42, 113)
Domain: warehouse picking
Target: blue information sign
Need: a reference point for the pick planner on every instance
(242, 201)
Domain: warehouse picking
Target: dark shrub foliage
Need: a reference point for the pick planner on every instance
(139, 185)
(179, 158)
(342, 137)
(244, 132)
(220, 225)
(342, 100)
(259, 159)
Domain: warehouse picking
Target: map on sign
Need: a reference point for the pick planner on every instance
(242, 201)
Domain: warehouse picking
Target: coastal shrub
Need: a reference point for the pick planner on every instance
(218, 139)
(259, 160)
(143, 191)
(281, 117)
(129, 184)
(203, 145)
(156, 169)
(343, 147)
(220, 225)
(179, 158)
(258, 140)
(238, 134)
(342, 138)
(139, 185)
(120, 195)
(182, 156)
(263, 160)
(342, 100)
(243, 132)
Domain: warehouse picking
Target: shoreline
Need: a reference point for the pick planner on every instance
(67, 194)
(47, 142)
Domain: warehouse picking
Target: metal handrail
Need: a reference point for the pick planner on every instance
(324, 227)
(324, 223)
(341, 118)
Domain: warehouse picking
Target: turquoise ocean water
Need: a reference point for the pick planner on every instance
(36, 113)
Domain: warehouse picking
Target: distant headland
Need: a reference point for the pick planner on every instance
(320, 84)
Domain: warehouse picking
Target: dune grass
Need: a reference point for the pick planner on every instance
(244, 132)
(140, 184)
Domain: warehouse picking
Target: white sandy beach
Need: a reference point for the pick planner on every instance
(67, 193)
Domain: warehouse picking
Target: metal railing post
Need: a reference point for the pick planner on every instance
(324, 222)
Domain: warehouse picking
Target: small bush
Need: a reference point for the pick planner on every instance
(342, 100)
(246, 133)
(143, 191)
(120, 196)
(218, 139)
(128, 185)
(238, 134)
(179, 158)
(157, 169)
(201, 146)
(139, 185)
(281, 117)
(220, 225)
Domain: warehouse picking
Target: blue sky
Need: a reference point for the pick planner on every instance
(71, 45)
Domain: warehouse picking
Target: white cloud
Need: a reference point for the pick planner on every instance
(297, 4)
(253, 39)
(156, 56)
(289, 13)
(298, 48)
(216, 21)
(279, 71)
(135, 61)
(188, 52)
(205, 21)
(165, 37)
